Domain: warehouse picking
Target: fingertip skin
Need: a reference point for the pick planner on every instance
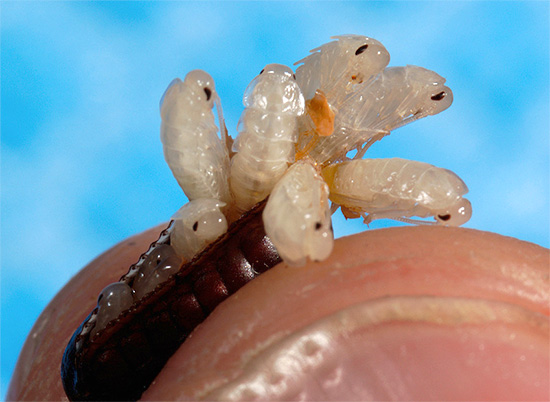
(448, 265)
(406, 261)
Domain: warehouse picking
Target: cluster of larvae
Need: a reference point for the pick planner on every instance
(293, 139)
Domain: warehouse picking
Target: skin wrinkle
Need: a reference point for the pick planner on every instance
(522, 274)
(447, 312)
(399, 263)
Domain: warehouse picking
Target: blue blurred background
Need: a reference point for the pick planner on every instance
(82, 165)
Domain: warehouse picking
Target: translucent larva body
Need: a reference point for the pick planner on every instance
(398, 96)
(328, 75)
(297, 215)
(196, 155)
(398, 189)
(267, 135)
(113, 299)
(197, 224)
(161, 262)
(336, 67)
(154, 267)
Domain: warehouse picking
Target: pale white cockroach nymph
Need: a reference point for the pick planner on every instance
(154, 267)
(353, 100)
(196, 155)
(398, 189)
(337, 67)
(398, 96)
(297, 216)
(329, 75)
(197, 224)
(113, 299)
(268, 131)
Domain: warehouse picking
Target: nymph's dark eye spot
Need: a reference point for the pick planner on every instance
(195, 226)
(261, 72)
(208, 93)
(439, 96)
(318, 225)
(361, 49)
(444, 217)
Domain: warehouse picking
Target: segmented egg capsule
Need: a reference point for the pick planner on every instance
(398, 96)
(121, 361)
(297, 216)
(197, 224)
(397, 189)
(267, 135)
(336, 67)
(196, 155)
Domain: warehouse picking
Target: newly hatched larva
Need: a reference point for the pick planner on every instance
(336, 67)
(197, 224)
(267, 135)
(196, 155)
(328, 76)
(297, 215)
(398, 189)
(398, 96)
(154, 267)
